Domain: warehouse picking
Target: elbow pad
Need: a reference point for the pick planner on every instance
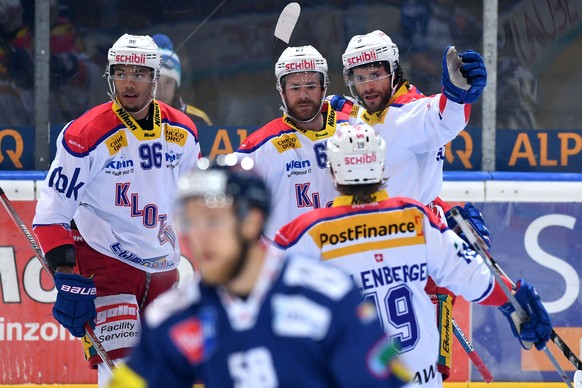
(63, 255)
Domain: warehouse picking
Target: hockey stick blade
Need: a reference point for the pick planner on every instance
(466, 229)
(578, 379)
(284, 28)
(472, 353)
(39, 255)
(287, 21)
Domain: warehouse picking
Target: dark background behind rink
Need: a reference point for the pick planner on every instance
(228, 69)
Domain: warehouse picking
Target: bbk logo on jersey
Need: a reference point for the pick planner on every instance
(65, 184)
(297, 167)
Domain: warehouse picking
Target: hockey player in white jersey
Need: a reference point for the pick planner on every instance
(289, 152)
(255, 318)
(391, 245)
(115, 174)
(416, 127)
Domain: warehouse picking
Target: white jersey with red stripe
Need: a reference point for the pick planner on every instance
(390, 247)
(293, 164)
(416, 129)
(118, 182)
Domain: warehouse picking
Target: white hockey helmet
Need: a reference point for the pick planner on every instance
(300, 59)
(375, 46)
(138, 50)
(356, 154)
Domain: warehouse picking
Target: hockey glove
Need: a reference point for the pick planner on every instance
(75, 302)
(538, 328)
(464, 75)
(475, 218)
(338, 102)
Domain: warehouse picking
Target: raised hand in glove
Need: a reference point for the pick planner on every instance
(338, 101)
(75, 303)
(464, 75)
(537, 329)
(474, 217)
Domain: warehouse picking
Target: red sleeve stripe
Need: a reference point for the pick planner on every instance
(497, 296)
(52, 236)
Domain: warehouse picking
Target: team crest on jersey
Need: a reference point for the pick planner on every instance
(195, 337)
(285, 142)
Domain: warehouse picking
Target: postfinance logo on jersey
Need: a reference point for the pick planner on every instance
(287, 141)
(365, 232)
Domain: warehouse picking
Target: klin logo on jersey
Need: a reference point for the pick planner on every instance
(65, 185)
(172, 159)
(298, 167)
(119, 167)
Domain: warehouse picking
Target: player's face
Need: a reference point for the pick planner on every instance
(214, 240)
(303, 94)
(133, 88)
(373, 85)
(166, 89)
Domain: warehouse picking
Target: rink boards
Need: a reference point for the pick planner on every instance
(535, 232)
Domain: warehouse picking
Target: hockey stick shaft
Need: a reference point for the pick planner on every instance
(472, 353)
(194, 31)
(556, 339)
(39, 255)
(465, 227)
(199, 26)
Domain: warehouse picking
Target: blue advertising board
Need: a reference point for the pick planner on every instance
(516, 150)
(539, 242)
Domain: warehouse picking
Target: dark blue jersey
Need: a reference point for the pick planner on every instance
(303, 325)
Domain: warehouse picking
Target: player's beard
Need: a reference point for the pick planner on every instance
(379, 103)
(304, 113)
